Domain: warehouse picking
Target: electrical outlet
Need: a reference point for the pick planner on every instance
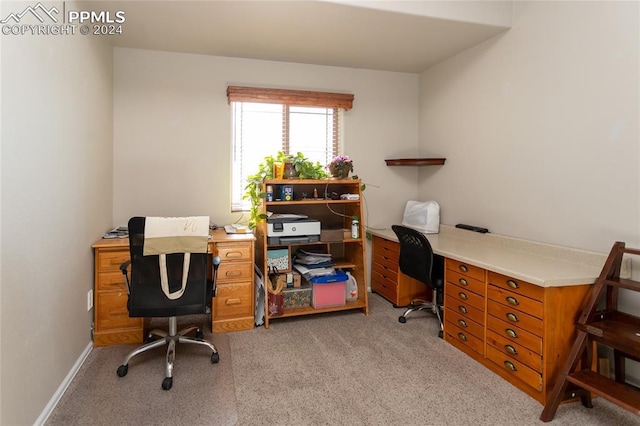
(89, 300)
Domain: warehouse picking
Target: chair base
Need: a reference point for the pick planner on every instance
(425, 305)
(170, 338)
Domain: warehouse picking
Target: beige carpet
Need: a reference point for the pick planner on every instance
(330, 369)
(202, 393)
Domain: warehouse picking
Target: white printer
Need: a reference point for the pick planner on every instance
(287, 229)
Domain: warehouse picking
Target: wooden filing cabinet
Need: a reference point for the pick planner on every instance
(520, 331)
(112, 324)
(233, 307)
(385, 279)
(464, 301)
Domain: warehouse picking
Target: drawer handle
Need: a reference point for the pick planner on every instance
(462, 337)
(511, 333)
(463, 281)
(462, 323)
(462, 309)
(511, 349)
(512, 317)
(512, 300)
(232, 302)
(463, 296)
(233, 254)
(463, 268)
(233, 273)
(513, 284)
(510, 366)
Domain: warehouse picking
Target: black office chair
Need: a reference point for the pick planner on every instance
(417, 261)
(148, 299)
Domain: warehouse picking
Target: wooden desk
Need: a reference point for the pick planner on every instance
(233, 308)
(510, 304)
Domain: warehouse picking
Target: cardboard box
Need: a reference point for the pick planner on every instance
(329, 235)
(288, 280)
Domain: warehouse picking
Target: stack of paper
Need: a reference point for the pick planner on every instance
(311, 265)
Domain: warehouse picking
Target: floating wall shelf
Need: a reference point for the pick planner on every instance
(415, 161)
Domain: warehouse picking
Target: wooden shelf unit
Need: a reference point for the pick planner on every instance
(604, 326)
(348, 254)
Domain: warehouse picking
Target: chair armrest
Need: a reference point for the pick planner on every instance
(123, 268)
(216, 264)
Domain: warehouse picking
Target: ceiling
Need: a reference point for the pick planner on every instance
(309, 32)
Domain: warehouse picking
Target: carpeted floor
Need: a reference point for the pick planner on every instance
(329, 369)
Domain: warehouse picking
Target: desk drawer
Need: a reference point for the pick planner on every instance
(514, 350)
(516, 317)
(520, 287)
(111, 260)
(386, 248)
(466, 269)
(515, 334)
(515, 301)
(463, 281)
(457, 294)
(234, 271)
(464, 309)
(459, 320)
(515, 368)
(111, 281)
(112, 312)
(233, 252)
(465, 338)
(233, 300)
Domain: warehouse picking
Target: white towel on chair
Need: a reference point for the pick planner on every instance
(167, 235)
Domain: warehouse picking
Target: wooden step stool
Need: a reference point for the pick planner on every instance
(608, 327)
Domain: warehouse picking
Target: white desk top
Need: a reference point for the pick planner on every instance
(545, 265)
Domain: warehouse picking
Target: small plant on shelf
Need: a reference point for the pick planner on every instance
(305, 169)
(340, 166)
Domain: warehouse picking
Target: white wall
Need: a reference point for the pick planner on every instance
(172, 130)
(56, 191)
(540, 128)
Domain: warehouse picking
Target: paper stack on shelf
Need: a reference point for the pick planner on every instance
(311, 265)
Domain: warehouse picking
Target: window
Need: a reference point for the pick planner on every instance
(265, 121)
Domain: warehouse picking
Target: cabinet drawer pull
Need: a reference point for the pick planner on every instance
(512, 300)
(232, 302)
(462, 337)
(463, 268)
(511, 349)
(462, 309)
(513, 284)
(233, 254)
(232, 274)
(463, 296)
(511, 333)
(510, 366)
(463, 281)
(512, 317)
(462, 323)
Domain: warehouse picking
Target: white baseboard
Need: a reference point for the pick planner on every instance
(63, 386)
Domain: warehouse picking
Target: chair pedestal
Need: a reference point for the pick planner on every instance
(170, 339)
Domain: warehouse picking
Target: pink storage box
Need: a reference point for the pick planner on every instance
(329, 294)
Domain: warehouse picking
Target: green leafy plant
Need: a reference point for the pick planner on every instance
(305, 168)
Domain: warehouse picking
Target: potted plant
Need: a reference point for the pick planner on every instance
(340, 167)
(305, 169)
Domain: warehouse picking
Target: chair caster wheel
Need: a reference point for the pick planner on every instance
(402, 319)
(199, 334)
(215, 358)
(167, 383)
(123, 370)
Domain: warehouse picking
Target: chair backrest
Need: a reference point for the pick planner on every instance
(146, 297)
(416, 256)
